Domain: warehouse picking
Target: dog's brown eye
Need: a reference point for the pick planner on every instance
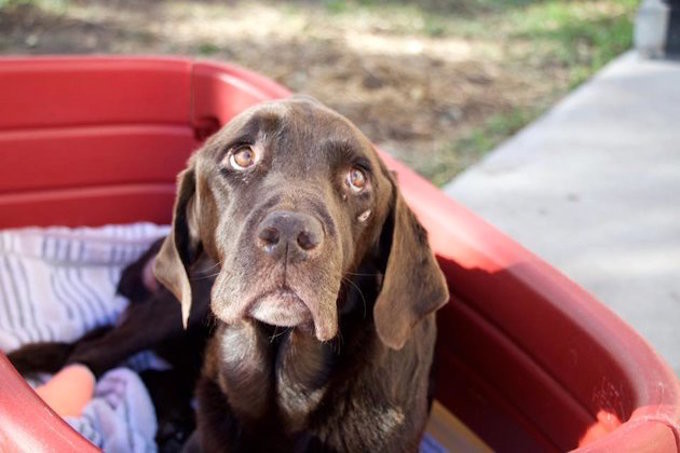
(357, 180)
(242, 158)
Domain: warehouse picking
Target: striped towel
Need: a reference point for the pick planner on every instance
(57, 283)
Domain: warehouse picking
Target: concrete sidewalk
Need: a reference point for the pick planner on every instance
(593, 187)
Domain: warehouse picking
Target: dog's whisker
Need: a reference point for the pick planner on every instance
(204, 276)
(362, 275)
(276, 334)
(337, 345)
(218, 263)
(202, 273)
(363, 299)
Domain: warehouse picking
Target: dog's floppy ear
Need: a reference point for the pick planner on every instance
(413, 285)
(180, 247)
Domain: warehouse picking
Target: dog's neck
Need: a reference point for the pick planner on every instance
(284, 372)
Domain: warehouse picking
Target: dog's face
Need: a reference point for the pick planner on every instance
(289, 198)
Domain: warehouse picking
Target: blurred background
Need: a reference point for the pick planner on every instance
(437, 83)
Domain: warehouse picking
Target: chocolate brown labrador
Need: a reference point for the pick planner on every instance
(324, 292)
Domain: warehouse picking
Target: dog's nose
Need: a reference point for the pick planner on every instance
(293, 234)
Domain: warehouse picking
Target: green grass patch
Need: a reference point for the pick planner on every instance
(580, 35)
(472, 146)
(12, 3)
(495, 130)
(206, 49)
(54, 6)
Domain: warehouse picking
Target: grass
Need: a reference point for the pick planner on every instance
(582, 36)
(205, 49)
(39, 3)
(50, 6)
(472, 146)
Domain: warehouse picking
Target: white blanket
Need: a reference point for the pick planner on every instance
(120, 417)
(56, 284)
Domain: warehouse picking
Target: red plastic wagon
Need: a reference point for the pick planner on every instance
(526, 359)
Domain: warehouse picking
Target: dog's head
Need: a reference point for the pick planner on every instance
(289, 198)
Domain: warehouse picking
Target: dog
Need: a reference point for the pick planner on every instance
(323, 288)
(326, 289)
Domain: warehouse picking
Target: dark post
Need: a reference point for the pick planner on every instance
(673, 32)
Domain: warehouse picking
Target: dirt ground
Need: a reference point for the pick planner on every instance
(420, 83)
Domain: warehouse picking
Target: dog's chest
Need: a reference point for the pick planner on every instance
(265, 376)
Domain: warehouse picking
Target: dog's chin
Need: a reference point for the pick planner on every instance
(281, 307)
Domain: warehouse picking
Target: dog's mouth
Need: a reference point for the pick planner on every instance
(281, 307)
(310, 308)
